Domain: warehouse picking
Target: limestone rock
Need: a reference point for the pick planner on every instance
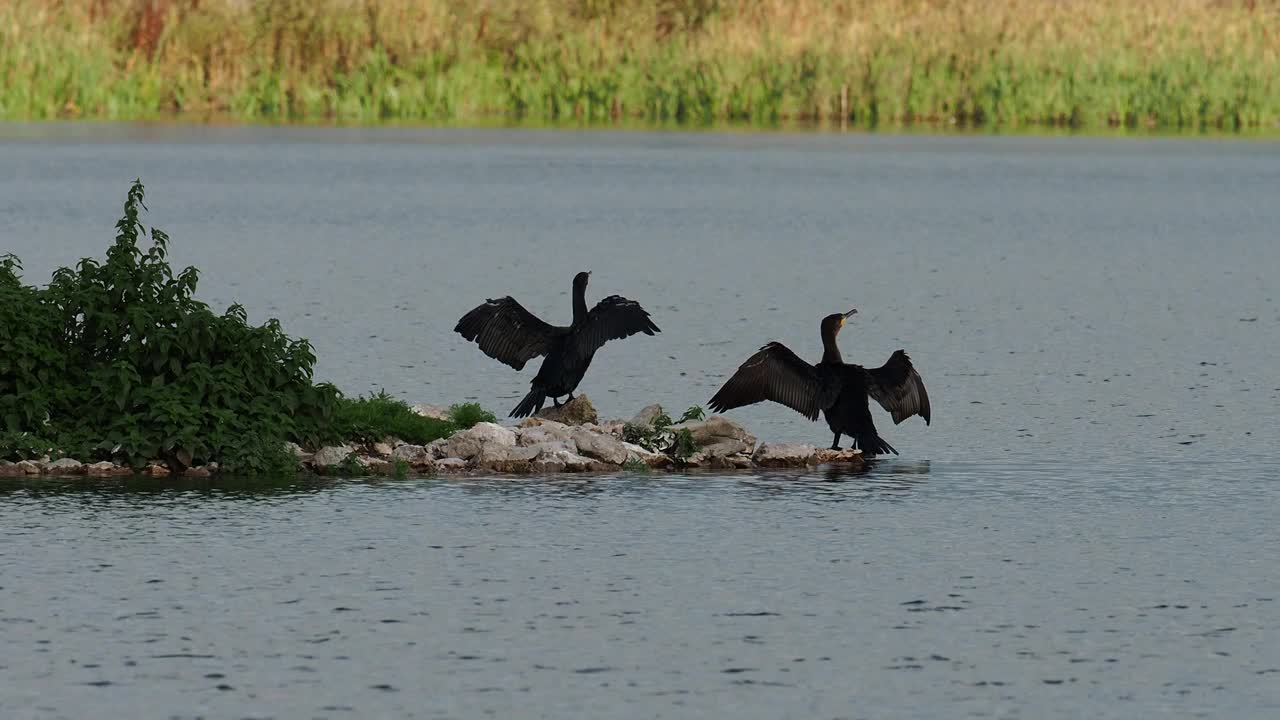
(451, 465)
(613, 427)
(645, 417)
(849, 456)
(418, 457)
(157, 470)
(575, 412)
(549, 461)
(600, 446)
(106, 469)
(472, 442)
(434, 412)
(648, 457)
(8, 469)
(330, 456)
(544, 432)
(785, 454)
(198, 471)
(375, 465)
(381, 448)
(29, 467)
(436, 447)
(508, 459)
(724, 447)
(64, 466)
(717, 429)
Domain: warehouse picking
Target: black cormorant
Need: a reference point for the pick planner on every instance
(507, 332)
(837, 389)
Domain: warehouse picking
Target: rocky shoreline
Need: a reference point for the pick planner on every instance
(568, 439)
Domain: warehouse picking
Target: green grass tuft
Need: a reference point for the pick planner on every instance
(465, 415)
(380, 416)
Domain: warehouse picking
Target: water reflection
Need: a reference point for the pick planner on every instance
(165, 490)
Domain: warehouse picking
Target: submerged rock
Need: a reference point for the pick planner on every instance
(577, 411)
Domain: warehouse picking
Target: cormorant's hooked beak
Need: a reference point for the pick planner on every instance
(845, 317)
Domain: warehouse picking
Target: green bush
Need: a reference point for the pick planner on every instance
(115, 359)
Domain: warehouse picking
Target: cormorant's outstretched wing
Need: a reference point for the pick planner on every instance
(613, 318)
(507, 332)
(775, 373)
(898, 388)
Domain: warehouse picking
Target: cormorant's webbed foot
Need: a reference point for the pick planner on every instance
(555, 402)
(570, 398)
(835, 444)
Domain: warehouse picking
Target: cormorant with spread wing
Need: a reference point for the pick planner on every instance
(837, 389)
(505, 331)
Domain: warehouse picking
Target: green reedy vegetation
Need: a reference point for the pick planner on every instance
(381, 416)
(1009, 63)
(117, 360)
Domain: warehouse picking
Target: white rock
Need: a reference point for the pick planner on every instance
(29, 467)
(381, 448)
(451, 464)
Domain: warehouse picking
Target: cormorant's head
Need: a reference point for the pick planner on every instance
(831, 324)
(580, 280)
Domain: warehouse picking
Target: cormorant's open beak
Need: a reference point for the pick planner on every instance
(846, 316)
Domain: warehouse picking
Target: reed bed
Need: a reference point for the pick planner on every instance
(1005, 63)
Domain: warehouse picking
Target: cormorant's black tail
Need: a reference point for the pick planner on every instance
(872, 444)
(531, 404)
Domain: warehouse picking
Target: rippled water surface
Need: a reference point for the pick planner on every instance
(1087, 530)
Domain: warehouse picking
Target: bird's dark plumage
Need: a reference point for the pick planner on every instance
(507, 332)
(837, 389)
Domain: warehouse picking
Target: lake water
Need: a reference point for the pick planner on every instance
(1089, 528)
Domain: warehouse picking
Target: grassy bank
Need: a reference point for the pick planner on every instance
(1089, 63)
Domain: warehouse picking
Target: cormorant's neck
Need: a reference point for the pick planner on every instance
(830, 352)
(579, 304)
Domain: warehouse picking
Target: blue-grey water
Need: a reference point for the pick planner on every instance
(1089, 528)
